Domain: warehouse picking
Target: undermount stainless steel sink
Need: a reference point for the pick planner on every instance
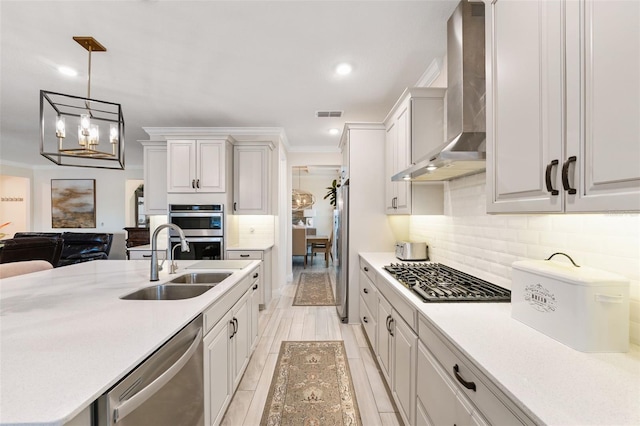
(184, 286)
(201, 278)
(168, 292)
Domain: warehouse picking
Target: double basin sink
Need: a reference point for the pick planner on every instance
(184, 286)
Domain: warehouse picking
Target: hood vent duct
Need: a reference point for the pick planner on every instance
(464, 152)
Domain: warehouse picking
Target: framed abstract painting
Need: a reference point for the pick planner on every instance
(73, 203)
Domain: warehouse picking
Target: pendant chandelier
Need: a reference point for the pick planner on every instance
(301, 199)
(61, 116)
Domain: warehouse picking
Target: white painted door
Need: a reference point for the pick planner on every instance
(385, 340)
(251, 179)
(603, 105)
(181, 161)
(435, 391)
(524, 106)
(217, 371)
(155, 178)
(403, 157)
(241, 337)
(210, 166)
(404, 368)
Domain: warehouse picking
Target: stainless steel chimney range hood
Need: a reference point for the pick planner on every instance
(464, 152)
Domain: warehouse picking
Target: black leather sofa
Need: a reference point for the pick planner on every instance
(34, 248)
(77, 247)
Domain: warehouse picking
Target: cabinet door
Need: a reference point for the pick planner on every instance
(241, 340)
(436, 394)
(217, 366)
(384, 337)
(603, 105)
(390, 187)
(254, 306)
(403, 158)
(181, 174)
(251, 179)
(210, 166)
(155, 178)
(403, 371)
(524, 105)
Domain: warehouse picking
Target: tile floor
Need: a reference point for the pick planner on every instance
(281, 321)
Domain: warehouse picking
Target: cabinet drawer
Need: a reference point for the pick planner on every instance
(398, 301)
(489, 405)
(369, 324)
(368, 270)
(368, 293)
(145, 254)
(245, 254)
(221, 306)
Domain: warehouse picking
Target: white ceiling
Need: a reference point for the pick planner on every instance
(215, 63)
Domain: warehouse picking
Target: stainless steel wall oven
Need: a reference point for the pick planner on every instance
(203, 225)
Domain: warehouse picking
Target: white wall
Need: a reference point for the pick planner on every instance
(111, 209)
(15, 204)
(486, 245)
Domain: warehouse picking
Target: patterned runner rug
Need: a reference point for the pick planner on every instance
(311, 386)
(314, 289)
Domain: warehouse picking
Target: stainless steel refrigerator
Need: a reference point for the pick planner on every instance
(342, 248)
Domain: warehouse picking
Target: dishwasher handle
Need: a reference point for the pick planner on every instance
(128, 406)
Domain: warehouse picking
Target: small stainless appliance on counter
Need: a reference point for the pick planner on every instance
(203, 225)
(411, 251)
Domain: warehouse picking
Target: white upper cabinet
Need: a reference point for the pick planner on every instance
(413, 128)
(603, 105)
(563, 132)
(155, 177)
(252, 179)
(196, 165)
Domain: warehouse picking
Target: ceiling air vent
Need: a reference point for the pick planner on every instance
(328, 114)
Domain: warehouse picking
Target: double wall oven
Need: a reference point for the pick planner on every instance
(203, 225)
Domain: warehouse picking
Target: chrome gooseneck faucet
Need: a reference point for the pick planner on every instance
(184, 245)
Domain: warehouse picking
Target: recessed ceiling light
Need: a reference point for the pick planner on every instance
(68, 71)
(334, 131)
(344, 69)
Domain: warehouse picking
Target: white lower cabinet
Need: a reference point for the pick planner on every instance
(217, 366)
(451, 390)
(255, 307)
(397, 357)
(231, 335)
(265, 270)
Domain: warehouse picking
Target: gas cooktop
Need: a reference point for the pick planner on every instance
(434, 282)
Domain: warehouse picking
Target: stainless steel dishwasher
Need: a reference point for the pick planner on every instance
(166, 389)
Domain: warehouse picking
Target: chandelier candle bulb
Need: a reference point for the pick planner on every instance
(60, 128)
(85, 124)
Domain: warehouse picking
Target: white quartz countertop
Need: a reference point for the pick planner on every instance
(66, 337)
(553, 383)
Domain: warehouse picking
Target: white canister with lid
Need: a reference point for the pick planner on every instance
(584, 308)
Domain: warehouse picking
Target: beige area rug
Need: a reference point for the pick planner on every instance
(311, 386)
(314, 289)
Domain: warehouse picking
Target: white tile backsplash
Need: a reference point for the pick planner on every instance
(486, 245)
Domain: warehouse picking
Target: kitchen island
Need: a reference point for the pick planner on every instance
(547, 381)
(67, 337)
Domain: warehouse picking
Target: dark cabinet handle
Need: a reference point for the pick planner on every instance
(365, 291)
(198, 183)
(244, 255)
(235, 206)
(468, 385)
(565, 175)
(547, 176)
(233, 333)
(365, 320)
(255, 275)
(255, 287)
(366, 269)
(391, 327)
(235, 326)
(193, 184)
(388, 319)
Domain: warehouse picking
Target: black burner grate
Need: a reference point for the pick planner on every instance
(435, 282)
